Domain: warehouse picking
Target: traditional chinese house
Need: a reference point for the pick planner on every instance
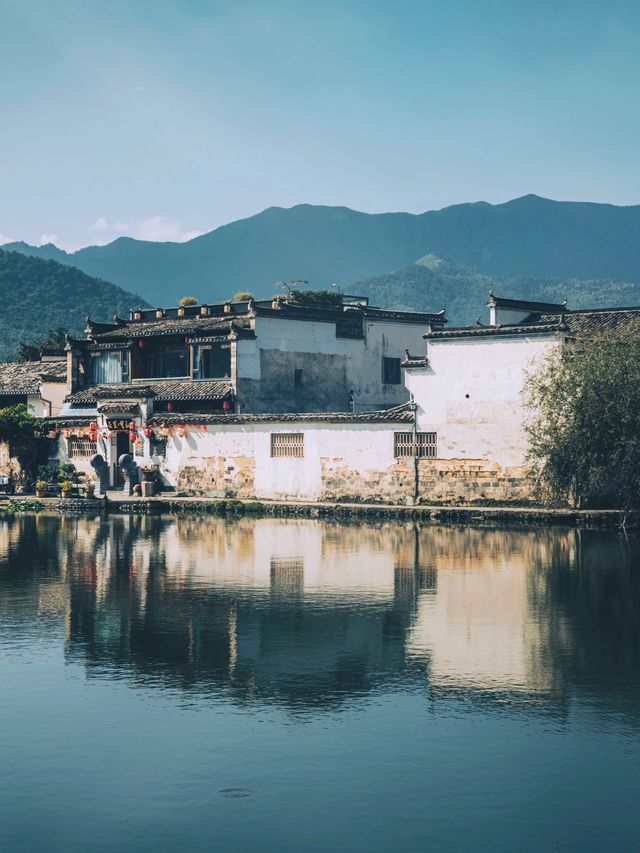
(134, 381)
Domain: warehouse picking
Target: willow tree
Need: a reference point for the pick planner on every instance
(584, 431)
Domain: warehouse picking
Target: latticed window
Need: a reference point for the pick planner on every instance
(81, 447)
(287, 444)
(421, 444)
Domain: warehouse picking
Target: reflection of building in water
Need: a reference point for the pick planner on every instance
(480, 630)
(269, 608)
(308, 613)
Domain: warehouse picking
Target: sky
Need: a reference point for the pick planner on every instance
(162, 120)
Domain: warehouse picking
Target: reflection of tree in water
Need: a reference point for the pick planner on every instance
(590, 607)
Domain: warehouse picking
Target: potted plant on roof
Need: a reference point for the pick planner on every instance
(41, 488)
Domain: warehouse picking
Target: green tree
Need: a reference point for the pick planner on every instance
(584, 432)
(187, 300)
(243, 296)
(22, 432)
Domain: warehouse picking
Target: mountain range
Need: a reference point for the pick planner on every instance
(526, 240)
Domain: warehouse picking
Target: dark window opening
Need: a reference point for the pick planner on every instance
(169, 363)
(158, 446)
(297, 378)
(391, 371)
(213, 363)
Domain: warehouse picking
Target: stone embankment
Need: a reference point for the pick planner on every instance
(472, 515)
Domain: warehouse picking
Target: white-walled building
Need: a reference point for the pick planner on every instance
(462, 439)
(469, 391)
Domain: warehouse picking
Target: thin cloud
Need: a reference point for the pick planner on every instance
(155, 229)
(4, 239)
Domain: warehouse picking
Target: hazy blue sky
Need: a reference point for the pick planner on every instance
(165, 118)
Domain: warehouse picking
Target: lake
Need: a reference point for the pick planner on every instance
(180, 683)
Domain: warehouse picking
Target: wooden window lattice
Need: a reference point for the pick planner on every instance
(287, 444)
(424, 445)
(81, 447)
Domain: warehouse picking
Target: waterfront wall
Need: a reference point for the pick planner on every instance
(340, 463)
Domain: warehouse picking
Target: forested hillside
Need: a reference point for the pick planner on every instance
(38, 295)
(436, 282)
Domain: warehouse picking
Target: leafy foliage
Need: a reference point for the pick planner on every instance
(243, 296)
(17, 424)
(187, 300)
(328, 298)
(584, 434)
(39, 294)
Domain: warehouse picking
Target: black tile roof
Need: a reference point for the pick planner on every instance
(526, 304)
(184, 326)
(160, 389)
(240, 321)
(587, 323)
(25, 377)
(400, 414)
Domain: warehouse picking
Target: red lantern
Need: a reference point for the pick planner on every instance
(226, 405)
(170, 407)
(93, 435)
(141, 344)
(133, 436)
(132, 426)
(148, 432)
(93, 426)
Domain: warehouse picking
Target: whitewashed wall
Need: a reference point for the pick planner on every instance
(364, 357)
(471, 395)
(361, 449)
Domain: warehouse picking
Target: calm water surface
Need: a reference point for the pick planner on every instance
(180, 684)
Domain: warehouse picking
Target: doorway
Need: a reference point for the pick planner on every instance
(123, 445)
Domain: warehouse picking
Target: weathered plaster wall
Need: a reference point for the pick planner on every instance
(470, 394)
(339, 462)
(332, 367)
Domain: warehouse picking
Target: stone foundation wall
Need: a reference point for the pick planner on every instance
(218, 477)
(472, 481)
(340, 482)
(441, 481)
(10, 466)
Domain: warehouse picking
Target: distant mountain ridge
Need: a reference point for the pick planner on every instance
(436, 281)
(38, 295)
(528, 237)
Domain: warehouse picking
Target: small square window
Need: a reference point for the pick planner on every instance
(287, 444)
